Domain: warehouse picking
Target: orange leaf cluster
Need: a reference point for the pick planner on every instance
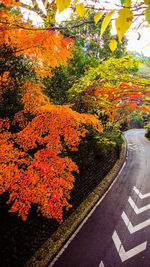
(33, 165)
(45, 48)
(112, 99)
(33, 168)
(8, 3)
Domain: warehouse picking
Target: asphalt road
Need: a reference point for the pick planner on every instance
(118, 232)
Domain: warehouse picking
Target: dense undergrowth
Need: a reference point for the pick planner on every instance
(147, 134)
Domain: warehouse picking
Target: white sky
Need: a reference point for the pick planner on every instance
(142, 45)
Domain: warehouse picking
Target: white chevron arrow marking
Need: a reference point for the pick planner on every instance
(136, 209)
(101, 264)
(139, 194)
(125, 255)
(132, 229)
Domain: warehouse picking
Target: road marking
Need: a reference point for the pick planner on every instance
(136, 209)
(125, 255)
(85, 220)
(132, 148)
(101, 264)
(132, 229)
(139, 194)
(132, 145)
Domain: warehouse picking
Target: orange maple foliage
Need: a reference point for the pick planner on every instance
(33, 166)
(112, 100)
(45, 48)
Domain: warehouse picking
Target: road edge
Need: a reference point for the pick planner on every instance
(147, 139)
(57, 242)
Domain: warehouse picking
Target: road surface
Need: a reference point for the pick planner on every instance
(118, 232)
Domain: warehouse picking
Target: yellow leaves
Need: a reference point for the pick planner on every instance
(74, 2)
(80, 9)
(122, 2)
(62, 5)
(34, 3)
(128, 3)
(147, 2)
(123, 22)
(106, 21)
(147, 14)
(113, 45)
(98, 16)
(46, 2)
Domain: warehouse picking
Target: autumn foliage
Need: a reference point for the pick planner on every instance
(33, 165)
(33, 168)
(115, 100)
(34, 138)
(45, 49)
(110, 89)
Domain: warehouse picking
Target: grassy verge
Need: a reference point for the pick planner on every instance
(46, 253)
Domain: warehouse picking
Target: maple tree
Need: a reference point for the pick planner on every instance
(89, 51)
(110, 89)
(33, 168)
(35, 136)
(43, 48)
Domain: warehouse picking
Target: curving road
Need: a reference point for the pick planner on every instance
(117, 234)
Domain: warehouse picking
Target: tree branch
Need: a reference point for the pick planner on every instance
(16, 26)
(35, 9)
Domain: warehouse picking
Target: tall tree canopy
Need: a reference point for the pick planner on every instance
(34, 133)
(110, 89)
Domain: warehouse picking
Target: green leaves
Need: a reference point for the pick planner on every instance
(122, 2)
(106, 21)
(126, 3)
(123, 22)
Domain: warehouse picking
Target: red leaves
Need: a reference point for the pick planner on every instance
(111, 99)
(44, 184)
(8, 3)
(46, 49)
(32, 167)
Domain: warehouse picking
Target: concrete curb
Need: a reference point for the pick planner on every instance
(147, 139)
(55, 243)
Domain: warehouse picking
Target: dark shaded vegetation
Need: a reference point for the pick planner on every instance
(20, 239)
(147, 134)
